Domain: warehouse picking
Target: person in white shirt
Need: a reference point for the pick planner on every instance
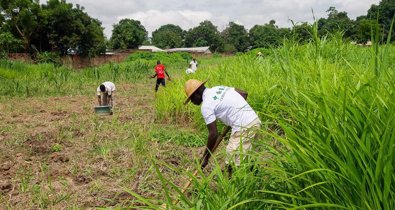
(105, 94)
(228, 105)
(259, 56)
(189, 71)
(193, 65)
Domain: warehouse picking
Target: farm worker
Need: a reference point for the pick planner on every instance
(259, 56)
(160, 72)
(105, 93)
(229, 105)
(193, 64)
(189, 71)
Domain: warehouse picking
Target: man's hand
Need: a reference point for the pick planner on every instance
(110, 100)
(211, 142)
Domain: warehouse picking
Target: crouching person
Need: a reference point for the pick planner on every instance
(105, 94)
(229, 105)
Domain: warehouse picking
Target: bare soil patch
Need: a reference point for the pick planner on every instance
(57, 153)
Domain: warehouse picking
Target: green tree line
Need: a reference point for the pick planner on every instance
(63, 28)
(57, 26)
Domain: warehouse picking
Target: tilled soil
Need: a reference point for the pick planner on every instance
(57, 153)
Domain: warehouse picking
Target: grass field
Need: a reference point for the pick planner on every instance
(327, 139)
(329, 128)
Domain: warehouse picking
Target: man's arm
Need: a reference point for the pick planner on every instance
(167, 75)
(99, 100)
(211, 141)
(110, 99)
(153, 76)
(243, 93)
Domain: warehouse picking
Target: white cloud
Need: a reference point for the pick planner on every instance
(187, 14)
(153, 19)
(354, 7)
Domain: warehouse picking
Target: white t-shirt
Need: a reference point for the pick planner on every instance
(189, 71)
(193, 65)
(227, 105)
(110, 87)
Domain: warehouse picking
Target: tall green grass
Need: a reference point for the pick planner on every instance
(330, 108)
(22, 79)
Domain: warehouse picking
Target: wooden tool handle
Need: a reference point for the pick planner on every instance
(219, 139)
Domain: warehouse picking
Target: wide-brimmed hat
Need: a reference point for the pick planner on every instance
(191, 86)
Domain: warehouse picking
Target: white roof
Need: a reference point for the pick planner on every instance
(190, 49)
(151, 48)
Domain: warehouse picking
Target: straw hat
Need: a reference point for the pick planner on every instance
(191, 86)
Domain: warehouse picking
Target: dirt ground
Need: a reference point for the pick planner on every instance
(57, 153)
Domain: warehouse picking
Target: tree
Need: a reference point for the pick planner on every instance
(336, 21)
(384, 13)
(284, 32)
(302, 32)
(206, 34)
(22, 18)
(128, 34)
(237, 36)
(55, 26)
(168, 36)
(91, 39)
(65, 28)
(268, 35)
(362, 30)
(8, 43)
(2, 18)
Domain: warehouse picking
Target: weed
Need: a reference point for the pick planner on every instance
(56, 148)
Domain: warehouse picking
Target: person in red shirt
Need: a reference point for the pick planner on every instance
(160, 72)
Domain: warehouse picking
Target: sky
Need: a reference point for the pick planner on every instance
(188, 14)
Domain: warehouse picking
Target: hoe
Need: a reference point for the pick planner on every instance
(186, 186)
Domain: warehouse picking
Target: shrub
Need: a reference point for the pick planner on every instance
(49, 57)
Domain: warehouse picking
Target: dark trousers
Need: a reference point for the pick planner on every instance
(160, 81)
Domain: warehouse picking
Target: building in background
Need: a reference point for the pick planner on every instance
(192, 50)
(150, 48)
